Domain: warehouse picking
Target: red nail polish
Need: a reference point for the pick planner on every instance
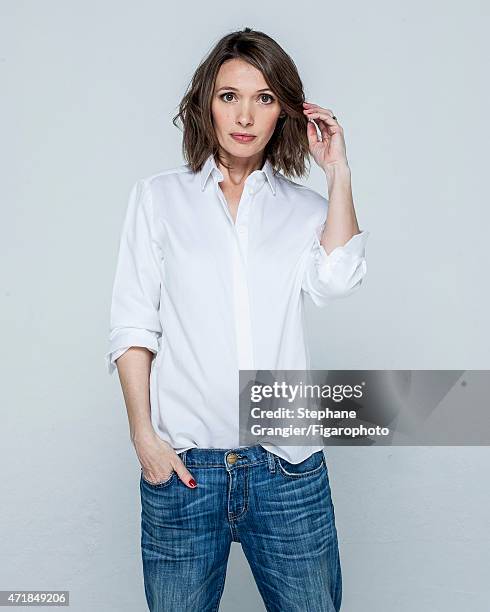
(192, 482)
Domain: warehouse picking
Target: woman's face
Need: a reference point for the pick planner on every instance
(243, 103)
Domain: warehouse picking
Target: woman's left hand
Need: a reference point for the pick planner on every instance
(331, 148)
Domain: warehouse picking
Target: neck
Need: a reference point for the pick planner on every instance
(240, 167)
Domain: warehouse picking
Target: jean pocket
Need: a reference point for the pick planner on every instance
(158, 485)
(313, 464)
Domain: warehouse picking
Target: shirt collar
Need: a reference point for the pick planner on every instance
(210, 165)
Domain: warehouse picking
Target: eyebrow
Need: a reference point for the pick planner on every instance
(235, 89)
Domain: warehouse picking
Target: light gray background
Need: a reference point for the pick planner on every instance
(89, 89)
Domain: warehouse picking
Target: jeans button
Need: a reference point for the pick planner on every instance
(232, 457)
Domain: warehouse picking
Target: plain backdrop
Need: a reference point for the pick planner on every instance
(88, 93)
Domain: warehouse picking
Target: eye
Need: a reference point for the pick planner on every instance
(262, 96)
(268, 96)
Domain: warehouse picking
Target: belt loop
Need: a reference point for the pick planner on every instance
(183, 456)
(271, 460)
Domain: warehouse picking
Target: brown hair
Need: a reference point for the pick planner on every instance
(288, 148)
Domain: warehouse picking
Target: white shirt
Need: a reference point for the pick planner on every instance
(210, 296)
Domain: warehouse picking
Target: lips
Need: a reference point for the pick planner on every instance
(243, 137)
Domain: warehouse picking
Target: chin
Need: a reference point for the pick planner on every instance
(240, 151)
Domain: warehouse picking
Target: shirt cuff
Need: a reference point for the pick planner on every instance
(355, 246)
(338, 274)
(345, 266)
(123, 339)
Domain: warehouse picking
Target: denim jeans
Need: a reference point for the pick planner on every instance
(281, 513)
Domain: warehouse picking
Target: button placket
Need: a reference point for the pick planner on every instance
(242, 296)
(242, 228)
(243, 325)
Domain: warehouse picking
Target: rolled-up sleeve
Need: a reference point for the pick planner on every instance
(134, 314)
(339, 274)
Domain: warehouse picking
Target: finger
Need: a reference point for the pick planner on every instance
(323, 127)
(311, 105)
(315, 107)
(323, 112)
(309, 111)
(184, 474)
(324, 130)
(312, 134)
(332, 123)
(156, 477)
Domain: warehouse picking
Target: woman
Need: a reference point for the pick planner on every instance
(214, 261)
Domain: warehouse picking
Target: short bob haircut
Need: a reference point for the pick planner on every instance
(288, 148)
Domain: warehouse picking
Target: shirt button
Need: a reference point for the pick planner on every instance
(242, 229)
(251, 191)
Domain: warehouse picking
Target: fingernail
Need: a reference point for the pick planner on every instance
(192, 482)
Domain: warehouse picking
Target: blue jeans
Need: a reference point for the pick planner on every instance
(281, 513)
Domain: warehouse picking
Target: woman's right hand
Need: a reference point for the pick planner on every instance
(158, 460)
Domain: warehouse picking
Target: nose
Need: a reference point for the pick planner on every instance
(244, 116)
